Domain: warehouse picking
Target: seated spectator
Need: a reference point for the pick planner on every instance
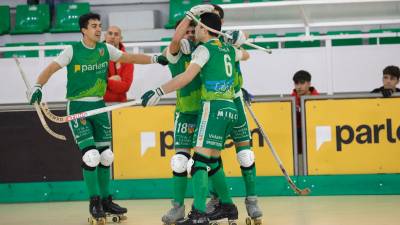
(120, 75)
(390, 80)
(302, 84)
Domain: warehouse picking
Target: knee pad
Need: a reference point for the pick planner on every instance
(106, 157)
(192, 166)
(246, 158)
(179, 163)
(91, 158)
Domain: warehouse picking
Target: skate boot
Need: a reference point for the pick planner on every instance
(176, 213)
(253, 211)
(113, 210)
(224, 213)
(195, 217)
(97, 215)
(212, 204)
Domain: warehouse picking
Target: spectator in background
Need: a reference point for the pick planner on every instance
(391, 75)
(302, 84)
(120, 75)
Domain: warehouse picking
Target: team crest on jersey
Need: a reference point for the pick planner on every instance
(83, 121)
(101, 51)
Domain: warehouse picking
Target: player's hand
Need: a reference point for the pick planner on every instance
(186, 46)
(152, 97)
(198, 10)
(247, 96)
(238, 37)
(34, 94)
(387, 93)
(160, 59)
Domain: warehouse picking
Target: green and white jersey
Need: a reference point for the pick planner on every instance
(237, 74)
(187, 98)
(217, 60)
(87, 69)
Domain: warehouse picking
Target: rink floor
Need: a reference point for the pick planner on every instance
(321, 210)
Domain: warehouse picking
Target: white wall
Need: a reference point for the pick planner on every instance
(338, 69)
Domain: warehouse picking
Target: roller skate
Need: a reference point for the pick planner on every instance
(212, 204)
(113, 211)
(176, 213)
(97, 214)
(253, 211)
(195, 217)
(224, 213)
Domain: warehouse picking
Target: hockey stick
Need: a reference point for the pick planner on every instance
(66, 119)
(229, 36)
(37, 108)
(299, 191)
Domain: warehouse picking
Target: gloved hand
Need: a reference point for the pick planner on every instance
(387, 93)
(186, 46)
(34, 94)
(160, 59)
(198, 10)
(238, 37)
(152, 97)
(247, 96)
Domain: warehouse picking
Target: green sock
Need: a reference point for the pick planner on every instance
(180, 184)
(90, 178)
(249, 176)
(200, 186)
(104, 178)
(219, 183)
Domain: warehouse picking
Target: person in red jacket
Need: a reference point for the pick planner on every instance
(302, 84)
(120, 75)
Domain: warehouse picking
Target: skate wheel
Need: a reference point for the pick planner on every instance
(115, 219)
(248, 221)
(232, 223)
(257, 221)
(214, 223)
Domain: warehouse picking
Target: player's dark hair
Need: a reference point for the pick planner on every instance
(211, 20)
(84, 20)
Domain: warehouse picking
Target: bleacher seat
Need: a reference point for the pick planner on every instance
(302, 44)
(346, 42)
(263, 44)
(225, 1)
(385, 40)
(56, 52)
(32, 19)
(177, 10)
(67, 16)
(21, 54)
(5, 19)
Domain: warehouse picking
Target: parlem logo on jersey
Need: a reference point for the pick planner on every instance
(360, 134)
(90, 67)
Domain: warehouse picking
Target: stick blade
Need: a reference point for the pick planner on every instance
(305, 191)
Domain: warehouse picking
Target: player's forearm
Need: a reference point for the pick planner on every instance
(47, 73)
(136, 58)
(178, 35)
(178, 82)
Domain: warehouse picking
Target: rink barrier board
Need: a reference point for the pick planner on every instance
(366, 184)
